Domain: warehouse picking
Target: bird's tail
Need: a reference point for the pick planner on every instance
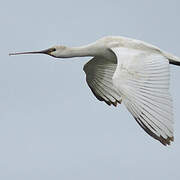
(173, 59)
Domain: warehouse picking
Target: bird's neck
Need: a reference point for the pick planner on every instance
(82, 51)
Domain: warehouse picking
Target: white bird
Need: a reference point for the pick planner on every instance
(129, 71)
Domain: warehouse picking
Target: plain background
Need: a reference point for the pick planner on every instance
(51, 125)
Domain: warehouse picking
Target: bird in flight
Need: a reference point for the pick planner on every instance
(132, 72)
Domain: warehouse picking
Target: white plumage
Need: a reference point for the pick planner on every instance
(132, 72)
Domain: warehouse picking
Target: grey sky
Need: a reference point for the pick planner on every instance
(51, 126)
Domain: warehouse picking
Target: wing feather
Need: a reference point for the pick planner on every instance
(139, 79)
(99, 73)
(143, 80)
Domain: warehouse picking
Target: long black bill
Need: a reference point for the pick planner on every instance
(46, 51)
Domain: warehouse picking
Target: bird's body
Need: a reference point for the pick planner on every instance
(129, 71)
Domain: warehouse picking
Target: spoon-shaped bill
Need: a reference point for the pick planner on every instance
(46, 51)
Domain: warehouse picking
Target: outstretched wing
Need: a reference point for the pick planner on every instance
(99, 73)
(143, 80)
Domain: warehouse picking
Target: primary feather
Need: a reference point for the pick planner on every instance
(143, 80)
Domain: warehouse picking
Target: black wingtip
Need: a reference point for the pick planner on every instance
(177, 63)
(166, 141)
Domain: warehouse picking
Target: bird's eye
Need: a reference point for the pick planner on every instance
(53, 49)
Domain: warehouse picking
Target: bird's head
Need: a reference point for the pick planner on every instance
(55, 51)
